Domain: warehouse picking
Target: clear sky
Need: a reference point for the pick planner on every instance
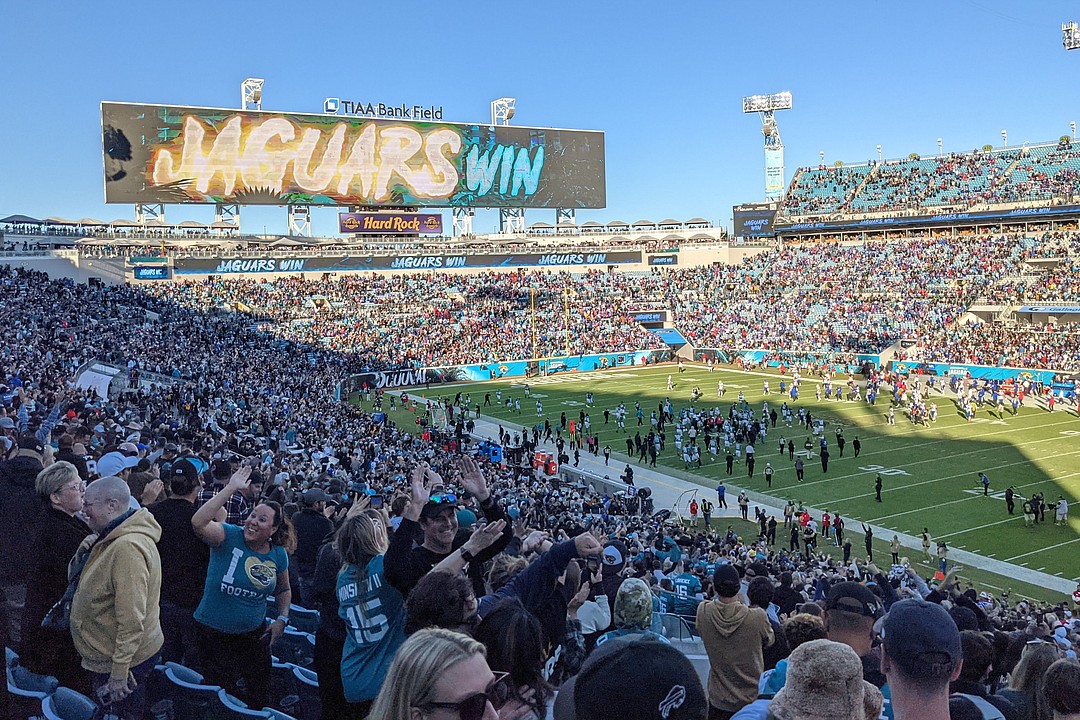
(664, 80)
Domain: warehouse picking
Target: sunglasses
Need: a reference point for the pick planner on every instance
(442, 499)
(473, 707)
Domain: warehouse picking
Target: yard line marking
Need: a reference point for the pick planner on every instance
(1043, 549)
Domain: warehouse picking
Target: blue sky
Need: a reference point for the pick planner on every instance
(665, 82)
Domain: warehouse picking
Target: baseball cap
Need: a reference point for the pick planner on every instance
(186, 469)
(29, 441)
(825, 681)
(853, 597)
(922, 640)
(315, 495)
(7, 423)
(613, 559)
(726, 580)
(221, 469)
(438, 504)
(129, 447)
(633, 679)
(114, 463)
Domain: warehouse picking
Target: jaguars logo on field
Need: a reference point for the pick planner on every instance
(261, 572)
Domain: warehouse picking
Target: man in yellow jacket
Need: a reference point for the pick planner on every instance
(114, 612)
(734, 636)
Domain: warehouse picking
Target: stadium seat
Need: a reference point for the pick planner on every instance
(303, 620)
(307, 685)
(676, 627)
(295, 647)
(234, 709)
(277, 714)
(191, 699)
(26, 684)
(282, 682)
(66, 704)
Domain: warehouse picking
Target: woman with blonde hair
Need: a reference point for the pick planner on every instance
(444, 675)
(1026, 689)
(372, 609)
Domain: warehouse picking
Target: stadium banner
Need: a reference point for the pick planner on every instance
(179, 154)
(754, 223)
(979, 372)
(154, 272)
(1017, 215)
(356, 263)
(788, 359)
(1051, 309)
(649, 316)
(147, 260)
(668, 259)
(432, 376)
(376, 223)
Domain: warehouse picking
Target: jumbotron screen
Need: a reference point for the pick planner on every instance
(168, 154)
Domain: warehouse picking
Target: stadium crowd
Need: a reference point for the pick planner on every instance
(826, 300)
(188, 521)
(980, 177)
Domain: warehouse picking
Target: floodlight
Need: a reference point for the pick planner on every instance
(765, 103)
(502, 110)
(1070, 33)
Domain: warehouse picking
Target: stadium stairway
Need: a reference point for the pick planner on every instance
(671, 486)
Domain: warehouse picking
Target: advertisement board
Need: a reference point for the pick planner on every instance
(649, 316)
(153, 272)
(979, 216)
(754, 223)
(172, 154)
(352, 263)
(376, 223)
(667, 259)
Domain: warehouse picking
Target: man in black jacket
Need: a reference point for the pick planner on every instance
(19, 508)
(66, 454)
(429, 529)
(312, 526)
(184, 559)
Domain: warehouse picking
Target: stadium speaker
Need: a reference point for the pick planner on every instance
(644, 493)
(95, 282)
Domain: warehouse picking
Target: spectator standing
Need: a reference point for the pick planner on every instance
(57, 535)
(247, 565)
(825, 681)
(114, 611)
(18, 509)
(734, 636)
(921, 656)
(184, 560)
(312, 526)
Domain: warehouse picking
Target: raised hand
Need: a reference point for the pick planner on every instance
(241, 478)
(485, 536)
(472, 479)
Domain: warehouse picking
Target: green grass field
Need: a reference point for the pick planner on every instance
(930, 474)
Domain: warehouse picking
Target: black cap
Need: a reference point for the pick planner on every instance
(726, 580)
(28, 441)
(855, 598)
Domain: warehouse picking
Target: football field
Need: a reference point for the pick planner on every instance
(930, 474)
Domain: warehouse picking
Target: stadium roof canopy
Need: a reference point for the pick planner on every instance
(669, 221)
(697, 221)
(20, 220)
(618, 223)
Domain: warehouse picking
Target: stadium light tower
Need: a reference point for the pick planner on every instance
(511, 220)
(251, 94)
(939, 147)
(1070, 36)
(1072, 126)
(766, 106)
(1005, 139)
(879, 153)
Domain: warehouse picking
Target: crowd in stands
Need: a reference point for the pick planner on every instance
(825, 300)
(981, 177)
(157, 525)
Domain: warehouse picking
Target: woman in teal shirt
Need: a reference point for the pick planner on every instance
(373, 610)
(248, 564)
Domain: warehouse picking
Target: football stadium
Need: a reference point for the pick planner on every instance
(576, 468)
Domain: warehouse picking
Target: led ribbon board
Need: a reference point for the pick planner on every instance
(166, 154)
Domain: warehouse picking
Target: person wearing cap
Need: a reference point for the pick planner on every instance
(312, 526)
(633, 679)
(734, 636)
(184, 560)
(114, 612)
(633, 612)
(66, 453)
(19, 507)
(921, 655)
(428, 533)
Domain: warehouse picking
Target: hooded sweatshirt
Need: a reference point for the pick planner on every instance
(19, 509)
(734, 636)
(114, 616)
